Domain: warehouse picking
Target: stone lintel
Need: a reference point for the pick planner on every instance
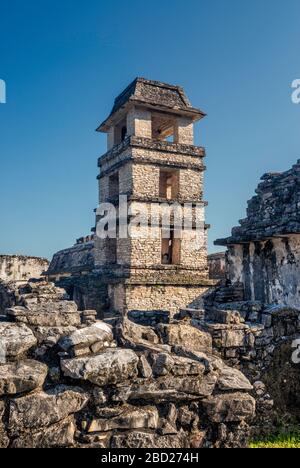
(230, 241)
(161, 146)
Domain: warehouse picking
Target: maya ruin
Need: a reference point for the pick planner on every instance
(145, 340)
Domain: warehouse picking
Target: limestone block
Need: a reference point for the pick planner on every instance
(228, 317)
(108, 368)
(144, 368)
(185, 336)
(60, 435)
(233, 380)
(144, 440)
(43, 409)
(178, 366)
(51, 335)
(232, 407)
(93, 339)
(50, 314)
(15, 339)
(22, 377)
(168, 389)
(129, 418)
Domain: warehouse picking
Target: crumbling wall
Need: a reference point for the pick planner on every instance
(67, 380)
(87, 291)
(217, 266)
(76, 259)
(264, 251)
(269, 270)
(21, 268)
(261, 340)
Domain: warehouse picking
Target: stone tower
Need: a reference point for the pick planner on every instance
(151, 159)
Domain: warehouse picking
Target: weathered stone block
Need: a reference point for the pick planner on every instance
(233, 380)
(42, 409)
(15, 339)
(185, 336)
(232, 407)
(60, 435)
(108, 368)
(22, 377)
(165, 364)
(129, 418)
(91, 340)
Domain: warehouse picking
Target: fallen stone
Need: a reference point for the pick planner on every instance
(108, 368)
(44, 408)
(15, 339)
(49, 314)
(232, 407)
(168, 425)
(185, 336)
(132, 335)
(138, 440)
(234, 380)
(167, 389)
(165, 364)
(4, 440)
(50, 336)
(60, 435)
(21, 377)
(144, 368)
(130, 418)
(91, 339)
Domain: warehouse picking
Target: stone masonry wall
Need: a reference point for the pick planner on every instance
(156, 297)
(21, 268)
(264, 251)
(217, 266)
(269, 270)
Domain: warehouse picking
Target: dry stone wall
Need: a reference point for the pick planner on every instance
(68, 380)
(259, 340)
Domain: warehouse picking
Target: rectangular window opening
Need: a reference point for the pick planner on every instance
(112, 251)
(169, 184)
(120, 132)
(114, 185)
(170, 248)
(164, 128)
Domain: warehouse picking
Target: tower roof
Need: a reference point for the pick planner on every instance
(155, 95)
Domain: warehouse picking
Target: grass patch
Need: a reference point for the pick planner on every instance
(281, 441)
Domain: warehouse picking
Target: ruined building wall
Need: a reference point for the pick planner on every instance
(21, 268)
(269, 270)
(217, 266)
(264, 251)
(169, 298)
(76, 259)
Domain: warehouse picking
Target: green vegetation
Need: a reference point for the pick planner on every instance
(280, 441)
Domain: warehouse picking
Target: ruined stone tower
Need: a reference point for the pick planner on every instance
(152, 160)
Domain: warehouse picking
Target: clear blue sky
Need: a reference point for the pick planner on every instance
(64, 62)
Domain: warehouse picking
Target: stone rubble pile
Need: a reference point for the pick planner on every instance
(67, 380)
(274, 210)
(257, 339)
